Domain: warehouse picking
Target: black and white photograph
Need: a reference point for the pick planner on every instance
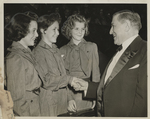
(82, 59)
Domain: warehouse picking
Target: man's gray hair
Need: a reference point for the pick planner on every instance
(133, 17)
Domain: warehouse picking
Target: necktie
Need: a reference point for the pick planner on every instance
(119, 48)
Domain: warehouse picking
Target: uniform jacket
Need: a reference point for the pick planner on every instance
(88, 56)
(55, 79)
(125, 92)
(22, 79)
(81, 61)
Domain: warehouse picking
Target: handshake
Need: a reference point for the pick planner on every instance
(79, 84)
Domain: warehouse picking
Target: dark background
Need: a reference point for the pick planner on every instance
(99, 15)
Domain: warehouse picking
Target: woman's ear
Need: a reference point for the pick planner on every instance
(42, 31)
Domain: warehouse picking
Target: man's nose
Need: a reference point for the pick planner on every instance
(111, 31)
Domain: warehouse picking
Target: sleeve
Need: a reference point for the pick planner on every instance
(69, 94)
(95, 64)
(140, 103)
(54, 82)
(92, 90)
(16, 76)
(50, 80)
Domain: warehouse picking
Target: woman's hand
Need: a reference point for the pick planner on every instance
(72, 106)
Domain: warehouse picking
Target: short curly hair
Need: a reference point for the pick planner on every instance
(18, 27)
(69, 24)
(47, 20)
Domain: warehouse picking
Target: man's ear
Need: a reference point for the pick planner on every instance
(127, 25)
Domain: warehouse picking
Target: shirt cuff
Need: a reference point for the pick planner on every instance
(85, 91)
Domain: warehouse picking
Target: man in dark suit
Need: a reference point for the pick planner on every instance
(122, 91)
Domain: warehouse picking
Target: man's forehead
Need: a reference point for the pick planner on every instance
(112, 22)
(114, 19)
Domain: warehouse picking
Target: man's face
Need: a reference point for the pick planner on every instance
(117, 30)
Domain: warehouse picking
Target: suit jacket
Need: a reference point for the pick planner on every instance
(125, 92)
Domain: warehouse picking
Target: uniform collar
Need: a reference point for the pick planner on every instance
(16, 45)
(46, 46)
(71, 43)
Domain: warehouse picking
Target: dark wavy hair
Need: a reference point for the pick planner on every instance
(47, 20)
(69, 24)
(18, 27)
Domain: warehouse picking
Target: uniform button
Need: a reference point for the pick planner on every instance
(31, 100)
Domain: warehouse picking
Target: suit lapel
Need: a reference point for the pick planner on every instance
(120, 64)
(129, 53)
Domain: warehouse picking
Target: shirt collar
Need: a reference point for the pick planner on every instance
(126, 43)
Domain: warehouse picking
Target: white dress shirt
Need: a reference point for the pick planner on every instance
(115, 59)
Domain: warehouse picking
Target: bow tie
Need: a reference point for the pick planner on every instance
(119, 48)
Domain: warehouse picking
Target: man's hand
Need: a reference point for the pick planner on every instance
(74, 84)
(83, 85)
